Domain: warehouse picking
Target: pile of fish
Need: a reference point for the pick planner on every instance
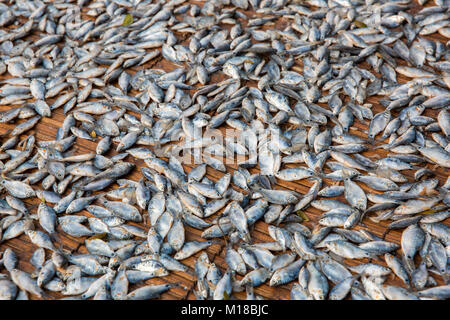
(296, 80)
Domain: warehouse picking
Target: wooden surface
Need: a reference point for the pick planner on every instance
(46, 130)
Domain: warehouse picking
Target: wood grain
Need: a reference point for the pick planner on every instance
(46, 130)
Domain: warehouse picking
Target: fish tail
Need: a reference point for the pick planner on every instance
(383, 146)
(383, 236)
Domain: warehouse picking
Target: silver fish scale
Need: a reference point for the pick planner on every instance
(288, 85)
